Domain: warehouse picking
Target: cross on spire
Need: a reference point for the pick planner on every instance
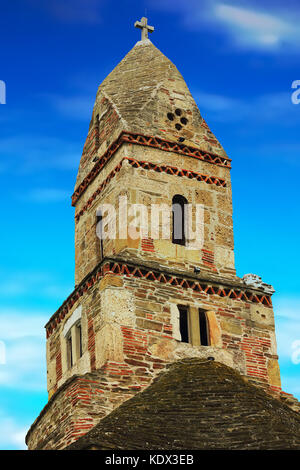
(143, 25)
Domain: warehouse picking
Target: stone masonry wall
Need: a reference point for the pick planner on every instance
(143, 180)
(133, 335)
(130, 330)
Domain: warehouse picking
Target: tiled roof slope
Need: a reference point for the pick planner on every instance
(197, 404)
(137, 96)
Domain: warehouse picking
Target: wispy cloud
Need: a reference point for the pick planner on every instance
(23, 334)
(40, 153)
(255, 28)
(245, 23)
(12, 434)
(78, 107)
(26, 283)
(287, 321)
(267, 108)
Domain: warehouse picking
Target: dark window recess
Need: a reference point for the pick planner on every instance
(171, 116)
(184, 324)
(99, 232)
(97, 133)
(184, 120)
(69, 350)
(178, 112)
(179, 219)
(178, 126)
(79, 332)
(181, 139)
(204, 336)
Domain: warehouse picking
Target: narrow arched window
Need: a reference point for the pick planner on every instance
(179, 219)
(203, 325)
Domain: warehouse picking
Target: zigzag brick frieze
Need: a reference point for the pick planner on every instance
(126, 269)
(148, 141)
(155, 167)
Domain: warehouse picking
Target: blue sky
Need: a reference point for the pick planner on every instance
(239, 60)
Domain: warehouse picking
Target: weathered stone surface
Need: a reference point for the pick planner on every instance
(128, 288)
(274, 372)
(110, 280)
(137, 96)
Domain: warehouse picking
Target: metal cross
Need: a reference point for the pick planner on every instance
(143, 25)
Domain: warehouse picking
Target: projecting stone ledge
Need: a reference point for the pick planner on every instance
(255, 281)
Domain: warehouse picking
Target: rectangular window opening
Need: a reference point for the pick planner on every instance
(204, 335)
(69, 351)
(79, 339)
(184, 324)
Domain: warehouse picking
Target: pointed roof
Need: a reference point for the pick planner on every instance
(146, 94)
(197, 404)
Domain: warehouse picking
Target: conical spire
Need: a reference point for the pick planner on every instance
(145, 94)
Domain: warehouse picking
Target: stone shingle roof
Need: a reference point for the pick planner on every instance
(197, 404)
(138, 95)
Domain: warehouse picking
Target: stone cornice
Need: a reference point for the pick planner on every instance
(208, 284)
(148, 141)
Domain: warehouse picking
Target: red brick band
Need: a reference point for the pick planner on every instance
(171, 170)
(148, 141)
(125, 269)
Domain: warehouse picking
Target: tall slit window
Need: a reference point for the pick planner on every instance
(179, 219)
(99, 232)
(69, 350)
(203, 325)
(79, 339)
(184, 323)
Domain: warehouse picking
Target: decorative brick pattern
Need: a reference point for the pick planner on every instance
(208, 259)
(130, 291)
(155, 142)
(58, 367)
(91, 343)
(78, 405)
(152, 275)
(171, 170)
(147, 244)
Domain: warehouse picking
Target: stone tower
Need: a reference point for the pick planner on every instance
(141, 302)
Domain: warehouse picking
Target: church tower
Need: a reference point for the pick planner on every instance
(154, 255)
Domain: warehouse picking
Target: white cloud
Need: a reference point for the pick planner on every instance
(217, 103)
(27, 282)
(12, 434)
(254, 27)
(75, 107)
(266, 108)
(23, 335)
(248, 25)
(287, 322)
(17, 325)
(39, 152)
